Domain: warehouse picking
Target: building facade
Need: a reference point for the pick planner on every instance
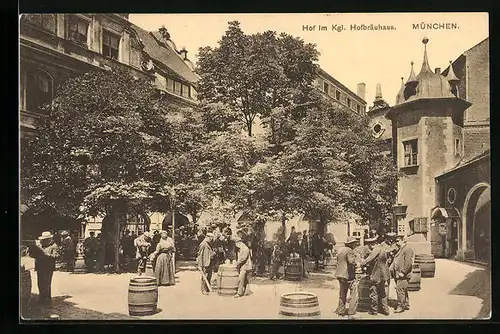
(336, 91)
(445, 187)
(55, 47)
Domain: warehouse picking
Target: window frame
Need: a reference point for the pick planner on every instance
(414, 159)
(326, 87)
(111, 34)
(78, 19)
(458, 146)
(338, 95)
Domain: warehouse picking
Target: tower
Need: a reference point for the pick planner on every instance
(379, 124)
(427, 122)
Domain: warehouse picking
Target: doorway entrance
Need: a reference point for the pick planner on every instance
(478, 222)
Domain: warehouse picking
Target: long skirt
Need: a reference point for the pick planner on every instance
(164, 269)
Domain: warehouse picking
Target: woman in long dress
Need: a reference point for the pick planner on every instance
(162, 260)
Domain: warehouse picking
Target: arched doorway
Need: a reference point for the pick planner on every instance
(477, 223)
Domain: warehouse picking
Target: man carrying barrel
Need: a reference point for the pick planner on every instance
(243, 265)
(345, 273)
(378, 271)
(400, 270)
(205, 261)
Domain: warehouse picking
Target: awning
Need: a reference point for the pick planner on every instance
(449, 212)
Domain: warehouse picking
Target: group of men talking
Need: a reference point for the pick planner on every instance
(381, 258)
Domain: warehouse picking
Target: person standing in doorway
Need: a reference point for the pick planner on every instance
(45, 252)
(400, 270)
(345, 273)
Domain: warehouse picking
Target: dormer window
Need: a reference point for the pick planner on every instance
(110, 43)
(78, 30)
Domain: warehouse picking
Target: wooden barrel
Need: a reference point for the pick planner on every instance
(331, 263)
(414, 282)
(293, 269)
(228, 280)
(142, 296)
(149, 269)
(364, 301)
(427, 264)
(299, 305)
(80, 267)
(25, 288)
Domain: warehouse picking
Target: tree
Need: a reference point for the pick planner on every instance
(255, 73)
(103, 148)
(330, 164)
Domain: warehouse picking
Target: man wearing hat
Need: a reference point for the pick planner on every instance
(45, 252)
(345, 273)
(400, 270)
(205, 261)
(243, 265)
(376, 264)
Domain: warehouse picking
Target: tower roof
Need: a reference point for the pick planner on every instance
(451, 77)
(379, 102)
(426, 84)
(400, 97)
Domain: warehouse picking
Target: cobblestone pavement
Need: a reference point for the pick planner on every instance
(458, 291)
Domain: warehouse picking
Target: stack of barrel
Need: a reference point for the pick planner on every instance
(299, 305)
(427, 264)
(228, 279)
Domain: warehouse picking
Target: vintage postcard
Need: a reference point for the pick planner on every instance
(254, 166)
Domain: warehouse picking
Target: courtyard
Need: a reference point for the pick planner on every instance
(459, 291)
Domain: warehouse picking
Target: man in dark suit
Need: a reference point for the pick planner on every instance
(345, 273)
(378, 270)
(400, 269)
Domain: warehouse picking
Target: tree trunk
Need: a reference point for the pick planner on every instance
(283, 224)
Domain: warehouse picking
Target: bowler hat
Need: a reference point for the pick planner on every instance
(45, 235)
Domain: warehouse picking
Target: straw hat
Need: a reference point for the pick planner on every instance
(45, 235)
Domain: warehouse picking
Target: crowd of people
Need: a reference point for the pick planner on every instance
(381, 259)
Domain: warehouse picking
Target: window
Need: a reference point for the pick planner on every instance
(458, 147)
(337, 95)
(170, 85)
(77, 30)
(193, 94)
(358, 108)
(410, 152)
(185, 90)
(37, 90)
(110, 44)
(325, 87)
(177, 88)
(44, 21)
(348, 102)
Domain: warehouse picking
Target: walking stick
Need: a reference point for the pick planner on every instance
(205, 279)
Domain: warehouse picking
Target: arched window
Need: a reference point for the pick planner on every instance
(38, 90)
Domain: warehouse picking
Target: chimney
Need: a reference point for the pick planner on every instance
(437, 70)
(183, 52)
(362, 90)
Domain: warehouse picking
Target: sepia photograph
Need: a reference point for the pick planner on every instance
(316, 166)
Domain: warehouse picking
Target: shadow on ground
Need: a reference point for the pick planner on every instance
(314, 280)
(66, 311)
(477, 284)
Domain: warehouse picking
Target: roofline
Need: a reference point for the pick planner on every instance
(424, 99)
(329, 77)
(478, 158)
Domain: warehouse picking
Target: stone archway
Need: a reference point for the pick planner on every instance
(476, 227)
